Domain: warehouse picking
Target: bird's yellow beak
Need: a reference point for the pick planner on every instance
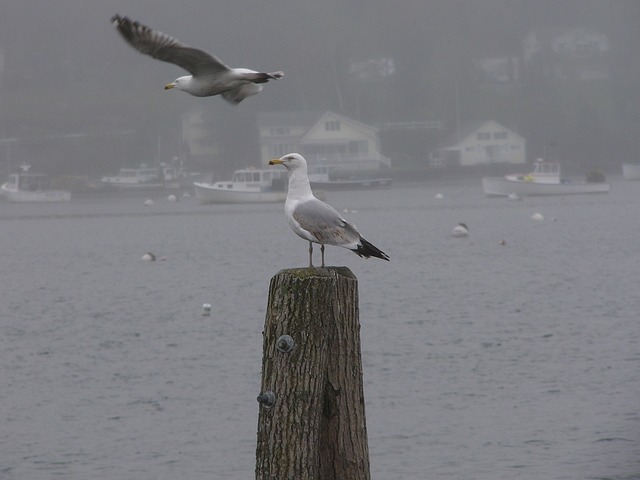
(275, 161)
(169, 86)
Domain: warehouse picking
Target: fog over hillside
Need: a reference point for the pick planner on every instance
(75, 98)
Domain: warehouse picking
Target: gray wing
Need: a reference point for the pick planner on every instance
(325, 223)
(166, 48)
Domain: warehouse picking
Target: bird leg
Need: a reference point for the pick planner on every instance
(322, 251)
(310, 255)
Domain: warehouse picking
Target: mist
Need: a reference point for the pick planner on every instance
(75, 99)
(509, 352)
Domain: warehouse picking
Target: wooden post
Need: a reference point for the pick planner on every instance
(315, 429)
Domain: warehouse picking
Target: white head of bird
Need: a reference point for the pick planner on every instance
(292, 161)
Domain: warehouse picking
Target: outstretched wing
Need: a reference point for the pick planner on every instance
(166, 48)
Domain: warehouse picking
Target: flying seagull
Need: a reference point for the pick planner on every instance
(316, 221)
(209, 75)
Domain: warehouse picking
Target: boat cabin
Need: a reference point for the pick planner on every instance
(546, 172)
(28, 182)
(252, 179)
(543, 172)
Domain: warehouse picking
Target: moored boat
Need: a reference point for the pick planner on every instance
(631, 171)
(250, 185)
(146, 177)
(544, 180)
(322, 178)
(25, 186)
(142, 177)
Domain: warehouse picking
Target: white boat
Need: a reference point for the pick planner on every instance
(544, 180)
(321, 177)
(250, 185)
(631, 171)
(32, 187)
(146, 177)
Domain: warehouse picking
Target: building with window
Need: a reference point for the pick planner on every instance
(326, 139)
(480, 144)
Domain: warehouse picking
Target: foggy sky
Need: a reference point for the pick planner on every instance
(67, 71)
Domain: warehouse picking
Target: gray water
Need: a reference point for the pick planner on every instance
(481, 360)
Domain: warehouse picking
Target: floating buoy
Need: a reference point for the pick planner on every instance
(537, 216)
(206, 309)
(148, 202)
(461, 230)
(149, 257)
(439, 196)
(172, 198)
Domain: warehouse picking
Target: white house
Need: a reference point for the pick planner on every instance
(480, 144)
(328, 139)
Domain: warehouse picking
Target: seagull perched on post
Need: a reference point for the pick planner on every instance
(209, 75)
(315, 220)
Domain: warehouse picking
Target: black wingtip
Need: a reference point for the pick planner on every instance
(116, 20)
(367, 250)
(129, 29)
(123, 25)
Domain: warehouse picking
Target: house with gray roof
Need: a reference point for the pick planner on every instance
(325, 139)
(482, 143)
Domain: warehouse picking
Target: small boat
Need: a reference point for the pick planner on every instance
(249, 185)
(142, 177)
(544, 180)
(631, 171)
(32, 187)
(322, 178)
(146, 177)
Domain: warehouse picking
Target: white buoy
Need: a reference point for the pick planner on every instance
(537, 216)
(149, 257)
(461, 230)
(172, 198)
(206, 309)
(148, 202)
(439, 196)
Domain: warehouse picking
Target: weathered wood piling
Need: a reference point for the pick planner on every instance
(311, 424)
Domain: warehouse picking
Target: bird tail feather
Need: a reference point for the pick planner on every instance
(261, 77)
(367, 250)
